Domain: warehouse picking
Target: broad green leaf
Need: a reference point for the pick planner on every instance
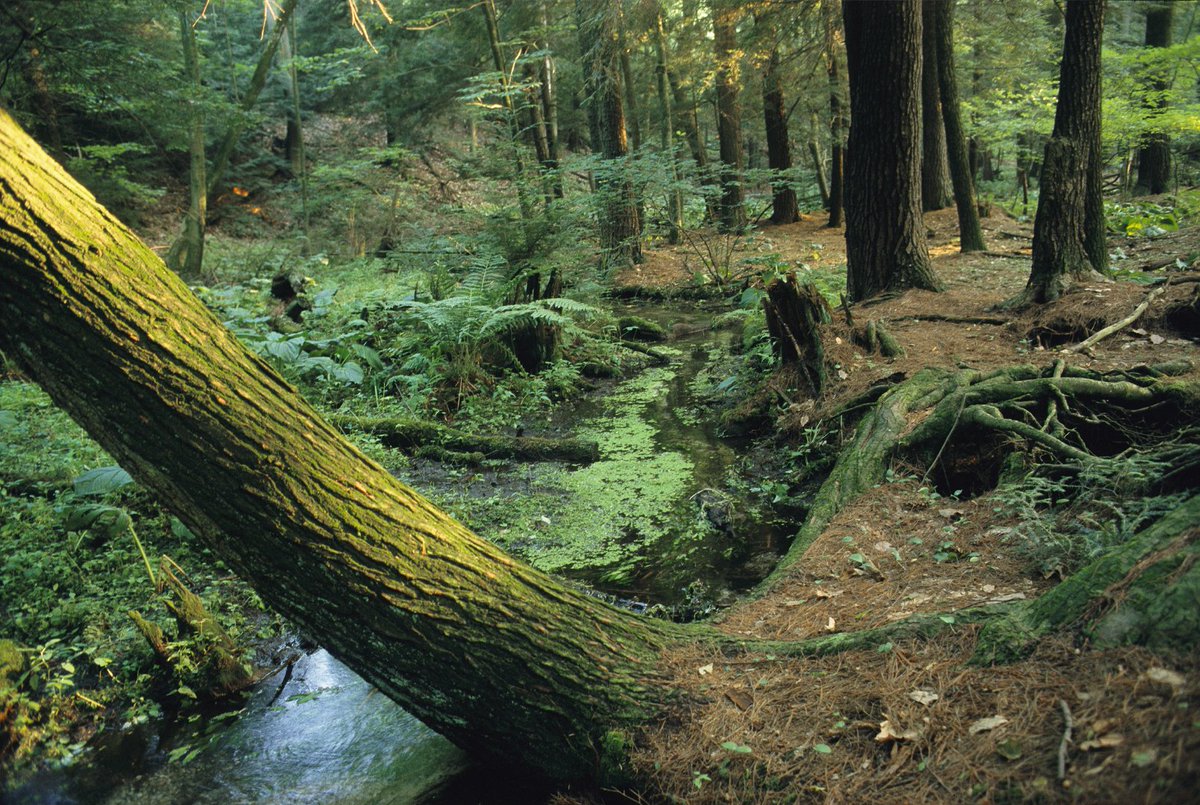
(101, 481)
(108, 521)
(823, 749)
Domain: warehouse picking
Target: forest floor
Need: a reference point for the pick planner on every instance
(913, 721)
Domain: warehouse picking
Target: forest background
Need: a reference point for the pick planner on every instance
(418, 213)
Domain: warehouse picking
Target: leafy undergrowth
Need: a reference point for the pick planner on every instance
(77, 546)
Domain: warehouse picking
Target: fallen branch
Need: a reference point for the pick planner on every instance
(1066, 739)
(660, 358)
(414, 434)
(1100, 335)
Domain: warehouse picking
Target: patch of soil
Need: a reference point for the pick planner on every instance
(893, 553)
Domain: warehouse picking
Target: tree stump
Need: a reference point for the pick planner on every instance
(795, 312)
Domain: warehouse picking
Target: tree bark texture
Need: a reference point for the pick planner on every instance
(666, 127)
(885, 234)
(836, 117)
(784, 209)
(970, 232)
(795, 313)
(618, 221)
(1154, 157)
(499, 658)
(936, 193)
(731, 211)
(1068, 230)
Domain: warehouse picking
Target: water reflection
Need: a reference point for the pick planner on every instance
(326, 737)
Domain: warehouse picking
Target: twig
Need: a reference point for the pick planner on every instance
(953, 425)
(1112, 328)
(1066, 739)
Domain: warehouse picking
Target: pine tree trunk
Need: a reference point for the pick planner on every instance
(1070, 205)
(1154, 157)
(633, 119)
(499, 658)
(618, 221)
(548, 79)
(666, 129)
(836, 118)
(731, 211)
(969, 230)
(885, 233)
(814, 151)
(936, 193)
(784, 209)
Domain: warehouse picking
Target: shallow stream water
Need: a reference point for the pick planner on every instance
(321, 734)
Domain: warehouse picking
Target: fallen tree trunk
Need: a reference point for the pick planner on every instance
(499, 658)
(503, 660)
(409, 434)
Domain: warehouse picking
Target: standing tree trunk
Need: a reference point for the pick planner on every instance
(836, 121)
(618, 221)
(499, 658)
(731, 211)
(250, 98)
(885, 234)
(186, 255)
(936, 192)
(784, 209)
(1154, 157)
(510, 110)
(295, 139)
(548, 78)
(666, 129)
(970, 232)
(1070, 204)
(633, 119)
(814, 150)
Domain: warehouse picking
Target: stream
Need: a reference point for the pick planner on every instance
(648, 522)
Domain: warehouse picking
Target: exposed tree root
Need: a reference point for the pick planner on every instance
(1170, 542)
(1004, 402)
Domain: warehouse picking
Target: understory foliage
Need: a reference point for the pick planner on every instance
(80, 542)
(1066, 519)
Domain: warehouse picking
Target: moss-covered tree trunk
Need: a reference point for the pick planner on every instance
(501, 659)
(885, 233)
(1068, 230)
